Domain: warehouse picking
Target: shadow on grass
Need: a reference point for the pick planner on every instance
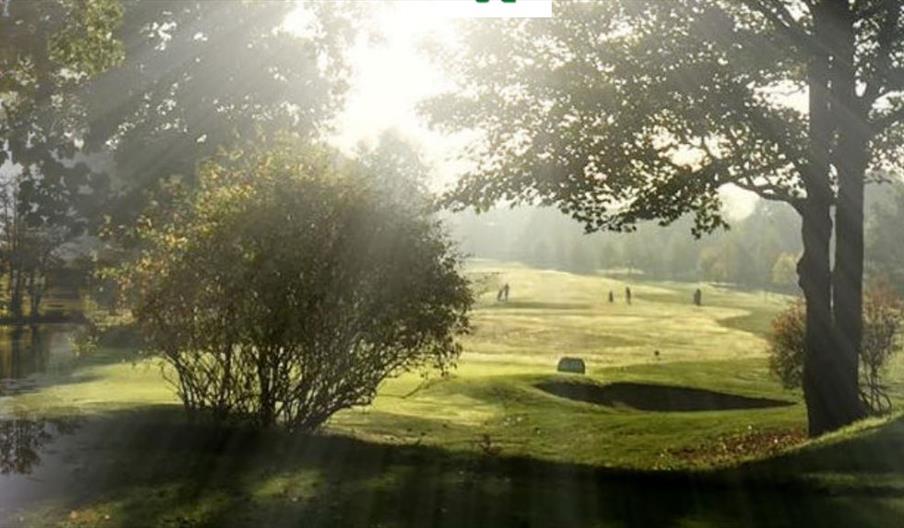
(651, 397)
(154, 468)
(876, 453)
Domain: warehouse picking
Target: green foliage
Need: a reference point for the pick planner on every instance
(883, 322)
(883, 312)
(786, 345)
(728, 262)
(199, 77)
(85, 45)
(291, 285)
(624, 111)
(50, 49)
(784, 271)
(55, 44)
(744, 255)
(629, 110)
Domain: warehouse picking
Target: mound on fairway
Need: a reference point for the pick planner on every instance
(651, 397)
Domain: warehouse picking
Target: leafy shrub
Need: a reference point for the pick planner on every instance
(883, 320)
(786, 344)
(883, 314)
(291, 285)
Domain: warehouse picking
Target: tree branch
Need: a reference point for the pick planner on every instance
(777, 13)
(765, 192)
(884, 77)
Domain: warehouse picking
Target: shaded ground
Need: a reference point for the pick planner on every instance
(152, 468)
(651, 397)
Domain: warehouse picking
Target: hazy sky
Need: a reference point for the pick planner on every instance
(392, 74)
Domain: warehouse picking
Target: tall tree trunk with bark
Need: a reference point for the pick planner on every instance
(834, 301)
(851, 158)
(820, 370)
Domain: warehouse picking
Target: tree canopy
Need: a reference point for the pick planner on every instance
(50, 50)
(630, 110)
(203, 76)
(623, 111)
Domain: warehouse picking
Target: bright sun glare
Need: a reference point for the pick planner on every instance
(391, 75)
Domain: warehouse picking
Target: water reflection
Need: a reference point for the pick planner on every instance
(22, 441)
(24, 352)
(28, 350)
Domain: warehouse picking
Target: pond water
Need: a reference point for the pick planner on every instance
(29, 350)
(36, 460)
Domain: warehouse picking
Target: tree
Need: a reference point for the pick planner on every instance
(883, 323)
(787, 346)
(202, 76)
(401, 170)
(50, 50)
(682, 258)
(627, 110)
(609, 255)
(727, 262)
(290, 286)
(784, 270)
(765, 235)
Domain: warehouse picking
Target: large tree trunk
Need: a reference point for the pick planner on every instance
(847, 282)
(832, 400)
(825, 403)
(851, 158)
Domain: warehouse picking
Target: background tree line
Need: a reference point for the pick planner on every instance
(759, 251)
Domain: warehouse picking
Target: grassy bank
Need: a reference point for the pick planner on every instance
(504, 440)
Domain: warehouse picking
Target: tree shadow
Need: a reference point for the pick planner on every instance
(876, 452)
(652, 397)
(155, 468)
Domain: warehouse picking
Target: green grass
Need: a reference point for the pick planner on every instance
(485, 446)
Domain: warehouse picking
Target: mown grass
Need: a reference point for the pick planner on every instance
(486, 446)
(151, 468)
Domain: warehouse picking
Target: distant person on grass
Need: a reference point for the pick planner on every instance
(698, 297)
(503, 294)
(628, 294)
(611, 297)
